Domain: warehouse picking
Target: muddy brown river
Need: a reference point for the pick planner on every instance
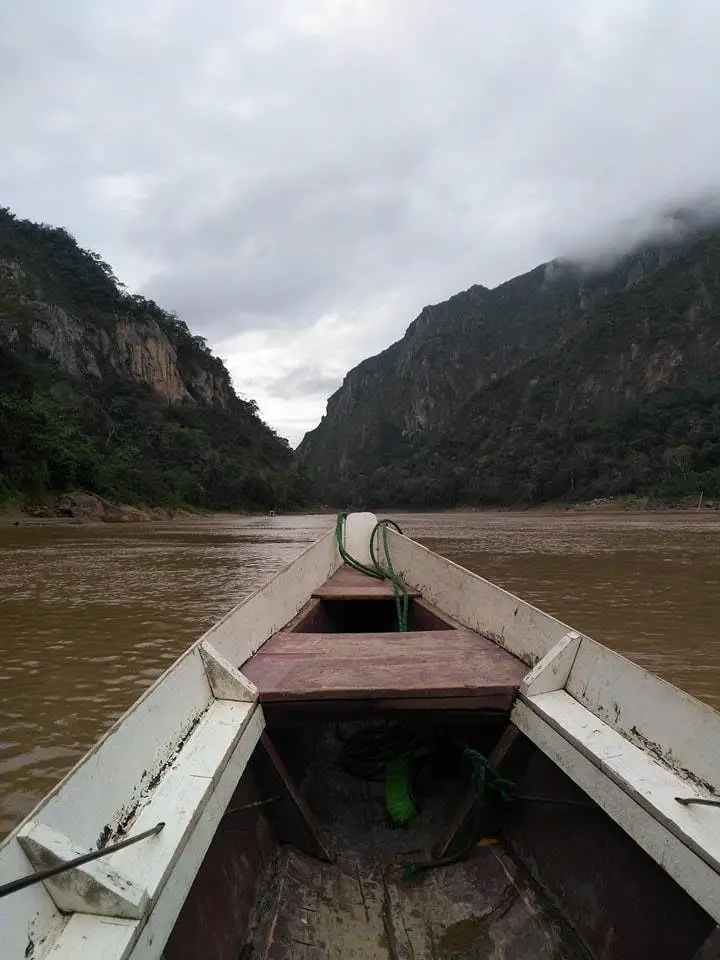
(90, 615)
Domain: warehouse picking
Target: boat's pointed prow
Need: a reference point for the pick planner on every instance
(358, 531)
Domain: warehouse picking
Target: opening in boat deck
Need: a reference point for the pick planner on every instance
(344, 648)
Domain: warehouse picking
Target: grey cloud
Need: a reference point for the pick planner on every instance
(257, 166)
(304, 381)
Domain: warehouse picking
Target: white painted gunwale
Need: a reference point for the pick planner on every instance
(649, 782)
(513, 624)
(691, 872)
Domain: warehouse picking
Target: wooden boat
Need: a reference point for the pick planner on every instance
(307, 781)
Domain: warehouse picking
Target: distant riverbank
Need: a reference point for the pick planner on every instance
(80, 507)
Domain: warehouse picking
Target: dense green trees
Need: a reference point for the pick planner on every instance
(621, 397)
(107, 433)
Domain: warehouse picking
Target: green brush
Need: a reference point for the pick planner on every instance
(398, 791)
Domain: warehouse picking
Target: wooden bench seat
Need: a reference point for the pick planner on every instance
(349, 584)
(425, 666)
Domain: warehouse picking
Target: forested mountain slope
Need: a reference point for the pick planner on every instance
(561, 383)
(109, 393)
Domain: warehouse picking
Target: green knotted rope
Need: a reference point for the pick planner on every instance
(483, 779)
(378, 571)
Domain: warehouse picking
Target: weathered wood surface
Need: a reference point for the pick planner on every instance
(215, 918)
(292, 790)
(552, 672)
(710, 950)
(649, 711)
(455, 835)
(610, 783)
(349, 584)
(430, 663)
(190, 799)
(651, 783)
(622, 905)
(477, 908)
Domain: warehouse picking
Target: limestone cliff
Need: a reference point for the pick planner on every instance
(107, 392)
(127, 342)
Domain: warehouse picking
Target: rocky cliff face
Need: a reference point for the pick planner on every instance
(469, 405)
(108, 393)
(132, 346)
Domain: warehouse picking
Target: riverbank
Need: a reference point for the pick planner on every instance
(85, 508)
(82, 507)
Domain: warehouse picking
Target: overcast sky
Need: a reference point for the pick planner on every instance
(297, 178)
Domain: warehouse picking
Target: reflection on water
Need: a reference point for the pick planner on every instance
(90, 615)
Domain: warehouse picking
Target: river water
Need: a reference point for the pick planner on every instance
(90, 615)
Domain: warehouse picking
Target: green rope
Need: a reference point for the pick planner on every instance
(378, 571)
(402, 601)
(483, 779)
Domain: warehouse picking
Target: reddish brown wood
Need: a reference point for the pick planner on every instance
(510, 738)
(311, 618)
(215, 918)
(294, 793)
(710, 950)
(387, 708)
(427, 617)
(621, 904)
(431, 663)
(349, 584)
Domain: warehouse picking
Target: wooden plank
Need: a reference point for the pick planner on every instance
(94, 887)
(428, 617)
(349, 584)
(438, 663)
(226, 681)
(310, 617)
(489, 709)
(191, 799)
(650, 712)
(695, 876)
(293, 792)
(552, 672)
(246, 628)
(412, 644)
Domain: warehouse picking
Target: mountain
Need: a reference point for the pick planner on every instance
(563, 383)
(107, 392)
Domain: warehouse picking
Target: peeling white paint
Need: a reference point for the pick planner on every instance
(226, 681)
(552, 672)
(690, 871)
(94, 887)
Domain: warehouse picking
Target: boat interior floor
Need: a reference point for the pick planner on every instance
(362, 907)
